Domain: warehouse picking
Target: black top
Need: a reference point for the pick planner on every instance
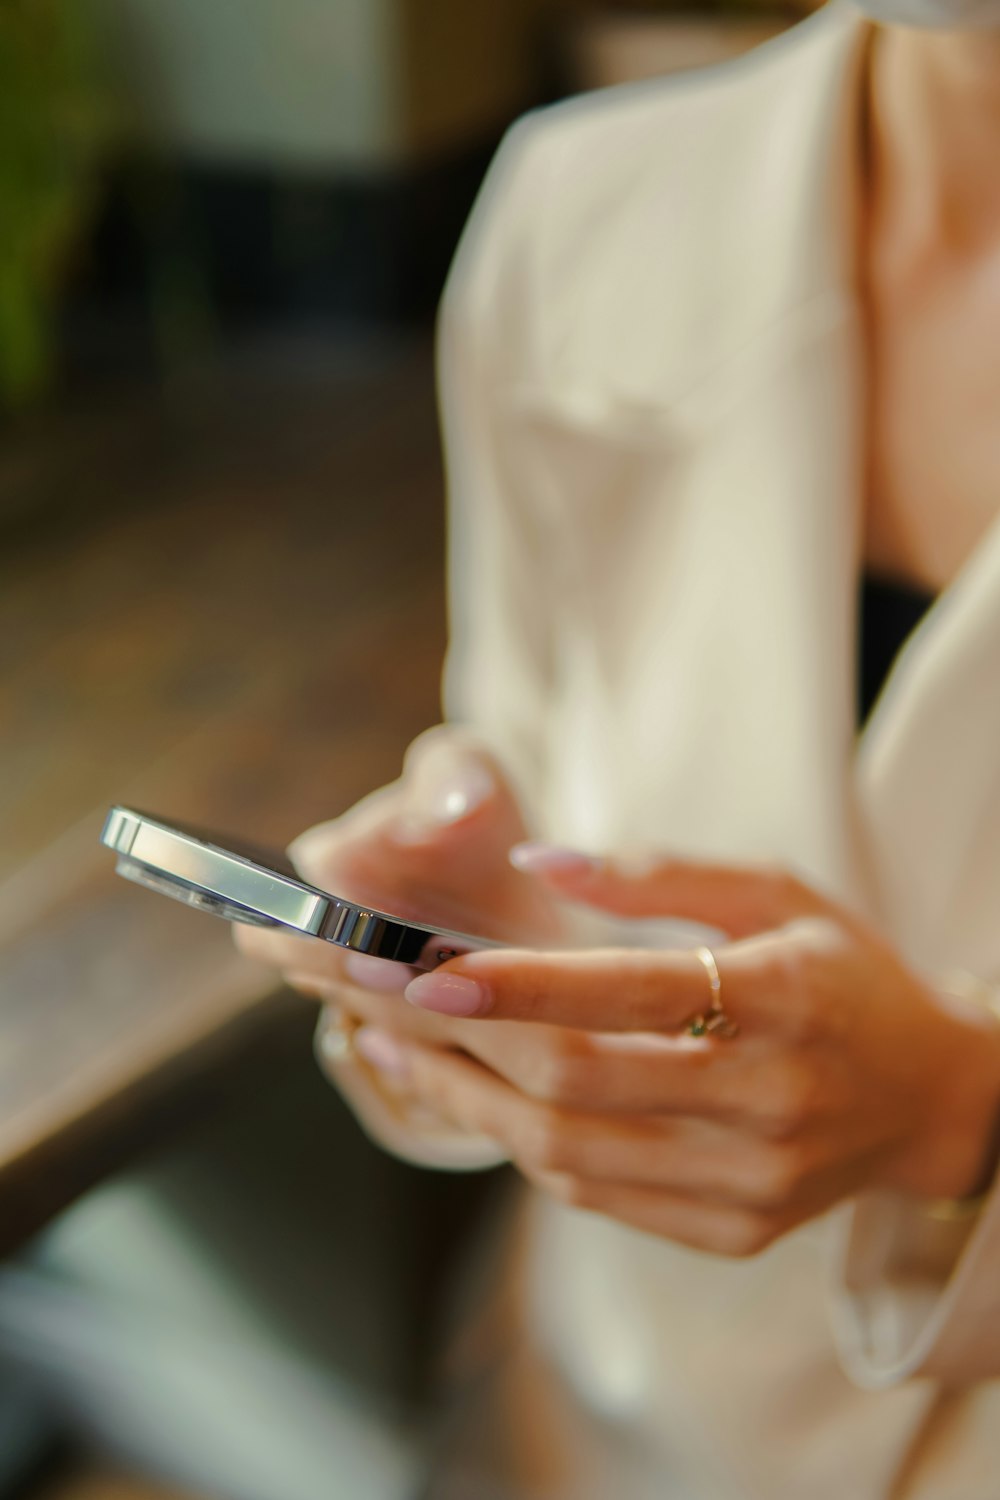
(887, 613)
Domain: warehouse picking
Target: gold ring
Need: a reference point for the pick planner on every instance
(713, 1021)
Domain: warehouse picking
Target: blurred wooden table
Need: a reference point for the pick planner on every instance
(223, 604)
(88, 1483)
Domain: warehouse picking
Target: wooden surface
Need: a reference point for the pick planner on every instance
(88, 1483)
(221, 603)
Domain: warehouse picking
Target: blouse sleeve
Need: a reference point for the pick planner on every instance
(917, 1295)
(498, 663)
(499, 668)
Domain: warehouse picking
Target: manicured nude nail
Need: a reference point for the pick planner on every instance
(446, 795)
(544, 859)
(382, 1051)
(449, 994)
(457, 795)
(377, 973)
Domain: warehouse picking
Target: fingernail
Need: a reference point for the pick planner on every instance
(377, 973)
(382, 1051)
(450, 793)
(310, 846)
(545, 859)
(458, 794)
(449, 994)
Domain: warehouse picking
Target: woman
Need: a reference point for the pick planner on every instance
(711, 351)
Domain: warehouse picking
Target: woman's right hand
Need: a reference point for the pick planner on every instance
(431, 847)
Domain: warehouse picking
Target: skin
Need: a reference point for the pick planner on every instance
(850, 1071)
(932, 275)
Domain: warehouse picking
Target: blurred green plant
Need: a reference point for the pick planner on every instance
(55, 122)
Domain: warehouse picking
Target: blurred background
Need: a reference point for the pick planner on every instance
(224, 227)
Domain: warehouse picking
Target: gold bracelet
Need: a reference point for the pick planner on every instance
(965, 986)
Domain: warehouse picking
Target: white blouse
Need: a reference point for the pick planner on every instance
(652, 389)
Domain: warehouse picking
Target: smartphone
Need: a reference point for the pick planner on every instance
(240, 883)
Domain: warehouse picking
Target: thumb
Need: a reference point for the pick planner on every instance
(432, 846)
(446, 824)
(458, 819)
(455, 792)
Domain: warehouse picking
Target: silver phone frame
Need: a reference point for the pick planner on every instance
(188, 865)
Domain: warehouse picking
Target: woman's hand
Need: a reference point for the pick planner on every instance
(432, 846)
(848, 1072)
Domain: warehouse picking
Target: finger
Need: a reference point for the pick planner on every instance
(325, 972)
(448, 782)
(631, 1074)
(342, 1062)
(782, 1183)
(615, 1074)
(770, 1090)
(276, 946)
(451, 779)
(700, 1159)
(774, 1092)
(382, 1011)
(325, 963)
(715, 1228)
(739, 900)
(764, 986)
(693, 1157)
(624, 1073)
(466, 1095)
(321, 964)
(433, 846)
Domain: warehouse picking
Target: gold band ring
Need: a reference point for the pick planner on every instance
(713, 1021)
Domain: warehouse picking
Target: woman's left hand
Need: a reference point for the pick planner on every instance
(848, 1072)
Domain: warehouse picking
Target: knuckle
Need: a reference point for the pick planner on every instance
(784, 883)
(438, 736)
(578, 1192)
(447, 1097)
(308, 984)
(575, 1192)
(314, 853)
(545, 1144)
(801, 982)
(333, 998)
(555, 1071)
(794, 963)
(825, 945)
(790, 1101)
(333, 1013)
(814, 938)
(775, 1179)
(444, 744)
(746, 1235)
(531, 1000)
